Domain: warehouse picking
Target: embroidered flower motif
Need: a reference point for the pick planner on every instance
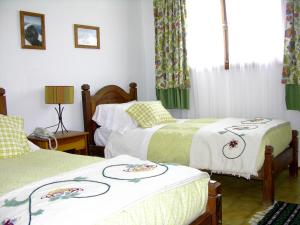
(8, 222)
(233, 143)
(241, 128)
(139, 168)
(256, 120)
(62, 193)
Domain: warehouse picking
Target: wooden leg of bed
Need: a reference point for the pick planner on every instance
(214, 204)
(268, 178)
(293, 167)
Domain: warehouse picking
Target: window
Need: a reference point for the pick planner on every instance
(255, 32)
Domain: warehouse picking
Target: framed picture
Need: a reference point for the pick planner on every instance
(32, 30)
(86, 36)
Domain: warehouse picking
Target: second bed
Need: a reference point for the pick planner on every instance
(275, 151)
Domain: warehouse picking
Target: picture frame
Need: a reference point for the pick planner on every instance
(86, 36)
(33, 34)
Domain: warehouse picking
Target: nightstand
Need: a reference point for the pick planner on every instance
(72, 141)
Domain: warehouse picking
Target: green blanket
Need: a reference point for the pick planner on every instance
(34, 166)
(172, 142)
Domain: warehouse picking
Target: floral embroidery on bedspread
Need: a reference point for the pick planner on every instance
(130, 171)
(236, 147)
(53, 194)
(8, 222)
(38, 202)
(62, 193)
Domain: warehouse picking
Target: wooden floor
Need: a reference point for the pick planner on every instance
(242, 198)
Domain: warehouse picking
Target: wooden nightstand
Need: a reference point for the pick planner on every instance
(72, 141)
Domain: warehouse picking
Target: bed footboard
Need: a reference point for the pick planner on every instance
(213, 214)
(268, 177)
(293, 166)
(274, 165)
(214, 204)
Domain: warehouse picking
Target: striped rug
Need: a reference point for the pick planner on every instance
(278, 214)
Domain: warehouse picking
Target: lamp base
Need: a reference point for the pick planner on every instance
(60, 121)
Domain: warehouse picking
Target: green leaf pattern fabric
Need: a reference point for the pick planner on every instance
(170, 47)
(291, 63)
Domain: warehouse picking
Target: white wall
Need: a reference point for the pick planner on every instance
(25, 72)
(149, 50)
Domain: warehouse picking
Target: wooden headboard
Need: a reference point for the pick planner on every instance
(3, 109)
(106, 95)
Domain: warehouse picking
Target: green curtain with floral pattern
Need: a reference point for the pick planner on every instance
(291, 62)
(172, 73)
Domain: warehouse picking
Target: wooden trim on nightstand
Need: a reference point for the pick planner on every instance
(76, 141)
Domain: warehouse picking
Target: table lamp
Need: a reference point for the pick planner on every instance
(59, 95)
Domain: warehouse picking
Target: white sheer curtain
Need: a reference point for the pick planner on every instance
(251, 87)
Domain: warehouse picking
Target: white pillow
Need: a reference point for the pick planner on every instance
(114, 117)
(101, 136)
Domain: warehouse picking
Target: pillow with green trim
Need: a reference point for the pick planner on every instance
(13, 140)
(148, 114)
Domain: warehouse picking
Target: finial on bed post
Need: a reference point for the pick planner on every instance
(87, 110)
(2, 91)
(293, 167)
(133, 90)
(268, 177)
(85, 87)
(3, 109)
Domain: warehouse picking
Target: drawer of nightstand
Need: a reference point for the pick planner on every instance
(76, 143)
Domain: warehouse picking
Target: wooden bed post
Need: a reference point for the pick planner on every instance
(213, 214)
(87, 110)
(293, 167)
(3, 109)
(268, 177)
(214, 204)
(133, 90)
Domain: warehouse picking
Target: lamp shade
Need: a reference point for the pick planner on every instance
(59, 94)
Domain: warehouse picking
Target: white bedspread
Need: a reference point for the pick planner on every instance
(240, 138)
(90, 194)
(231, 145)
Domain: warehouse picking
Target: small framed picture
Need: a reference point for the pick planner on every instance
(32, 30)
(86, 36)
